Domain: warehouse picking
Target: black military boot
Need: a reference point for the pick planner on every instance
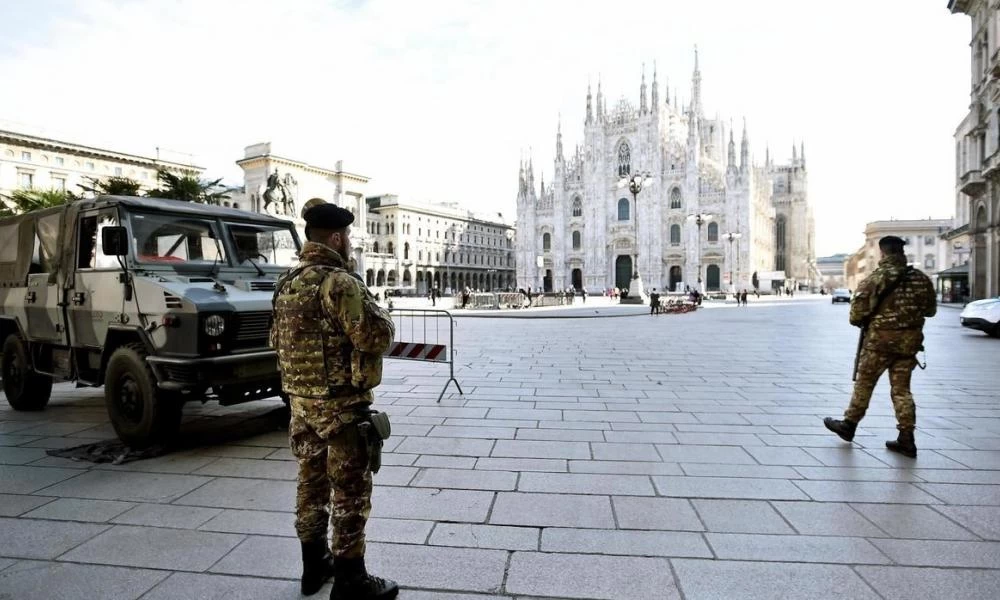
(317, 566)
(904, 444)
(845, 429)
(351, 581)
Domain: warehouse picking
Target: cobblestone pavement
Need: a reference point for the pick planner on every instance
(678, 456)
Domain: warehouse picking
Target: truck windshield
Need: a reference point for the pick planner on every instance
(263, 245)
(166, 238)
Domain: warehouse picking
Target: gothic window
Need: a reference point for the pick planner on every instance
(391, 249)
(780, 233)
(420, 255)
(675, 198)
(577, 240)
(623, 209)
(675, 235)
(577, 207)
(406, 250)
(713, 232)
(375, 247)
(624, 160)
(546, 242)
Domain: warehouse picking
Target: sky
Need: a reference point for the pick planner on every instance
(437, 100)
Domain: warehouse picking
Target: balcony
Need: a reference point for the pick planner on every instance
(972, 183)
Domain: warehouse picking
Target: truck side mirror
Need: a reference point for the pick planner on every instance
(114, 241)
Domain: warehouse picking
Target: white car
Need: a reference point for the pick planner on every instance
(840, 295)
(983, 315)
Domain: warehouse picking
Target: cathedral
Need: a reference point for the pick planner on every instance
(706, 216)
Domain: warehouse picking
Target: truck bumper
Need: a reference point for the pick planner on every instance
(253, 369)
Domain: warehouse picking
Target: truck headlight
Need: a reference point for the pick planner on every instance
(215, 325)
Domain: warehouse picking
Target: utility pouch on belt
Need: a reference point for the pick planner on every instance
(375, 429)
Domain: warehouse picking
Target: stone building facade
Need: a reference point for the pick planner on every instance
(582, 230)
(926, 246)
(977, 153)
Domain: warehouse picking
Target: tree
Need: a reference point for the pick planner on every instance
(188, 189)
(112, 186)
(22, 201)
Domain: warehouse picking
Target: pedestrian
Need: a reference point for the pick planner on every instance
(330, 335)
(890, 307)
(744, 297)
(434, 296)
(583, 294)
(654, 302)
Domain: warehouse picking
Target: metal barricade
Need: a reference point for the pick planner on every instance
(426, 335)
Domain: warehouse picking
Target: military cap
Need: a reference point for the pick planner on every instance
(328, 216)
(891, 240)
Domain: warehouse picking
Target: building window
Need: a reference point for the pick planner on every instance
(929, 261)
(577, 240)
(713, 232)
(420, 255)
(25, 180)
(675, 198)
(59, 161)
(118, 171)
(624, 160)
(390, 249)
(406, 250)
(623, 209)
(89, 165)
(910, 259)
(546, 242)
(577, 207)
(375, 247)
(675, 235)
(25, 156)
(929, 239)
(779, 243)
(59, 184)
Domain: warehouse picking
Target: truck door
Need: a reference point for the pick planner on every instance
(43, 299)
(96, 296)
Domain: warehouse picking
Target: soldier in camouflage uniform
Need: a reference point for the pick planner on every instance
(892, 304)
(330, 336)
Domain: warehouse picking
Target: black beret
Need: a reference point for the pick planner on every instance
(328, 216)
(891, 240)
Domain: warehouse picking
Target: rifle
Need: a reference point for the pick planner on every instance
(864, 325)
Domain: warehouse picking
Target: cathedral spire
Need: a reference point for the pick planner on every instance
(643, 107)
(600, 101)
(731, 167)
(696, 86)
(589, 113)
(795, 154)
(654, 100)
(745, 148)
(802, 153)
(559, 146)
(767, 156)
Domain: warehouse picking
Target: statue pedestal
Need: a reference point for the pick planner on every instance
(636, 295)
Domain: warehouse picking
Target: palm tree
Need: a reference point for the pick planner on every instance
(22, 201)
(112, 186)
(188, 189)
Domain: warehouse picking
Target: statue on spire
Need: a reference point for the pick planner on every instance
(559, 146)
(655, 98)
(589, 114)
(643, 108)
(696, 86)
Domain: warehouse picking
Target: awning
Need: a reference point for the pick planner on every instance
(955, 271)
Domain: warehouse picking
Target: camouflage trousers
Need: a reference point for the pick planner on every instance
(871, 365)
(335, 482)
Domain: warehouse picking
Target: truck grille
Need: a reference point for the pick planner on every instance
(252, 329)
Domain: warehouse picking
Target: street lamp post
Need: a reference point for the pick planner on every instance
(635, 185)
(733, 237)
(510, 239)
(699, 220)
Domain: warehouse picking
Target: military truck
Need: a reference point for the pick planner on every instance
(162, 302)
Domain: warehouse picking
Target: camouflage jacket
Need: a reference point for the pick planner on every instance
(328, 331)
(898, 324)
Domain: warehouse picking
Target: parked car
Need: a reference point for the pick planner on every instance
(156, 300)
(983, 315)
(840, 295)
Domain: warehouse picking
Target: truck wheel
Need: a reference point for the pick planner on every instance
(996, 331)
(25, 389)
(141, 414)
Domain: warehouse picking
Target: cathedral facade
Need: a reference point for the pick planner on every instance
(707, 217)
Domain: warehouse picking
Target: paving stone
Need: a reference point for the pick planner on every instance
(522, 464)
(400, 531)
(984, 521)
(28, 538)
(449, 411)
(73, 509)
(251, 494)
(586, 483)
(590, 576)
(446, 462)
(932, 553)
(795, 548)
(55, 429)
(865, 491)
(525, 414)
(439, 567)
(845, 455)
(277, 557)
(740, 516)
(515, 423)
(772, 455)
(237, 451)
(731, 455)
(126, 486)
(600, 415)
(624, 467)
(912, 521)
(753, 471)
(664, 417)
(562, 435)
(166, 515)
(532, 449)
(632, 543)
(426, 503)
(201, 586)
(156, 548)
(31, 580)
(899, 583)
(180, 463)
(244, 467)
(974, 459)
(552, 510)
(724, 580)
(827, 518)
(632, 452)
(498, 537)
(12, 505)
(492, 433)
(465, 479)
(670, 514)
(250, 522)
(719, 439)
(984, 495)
(10, 455)
(956, 476)
(724, 487)
(25, 480)
(446, 446)
(857, 474)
